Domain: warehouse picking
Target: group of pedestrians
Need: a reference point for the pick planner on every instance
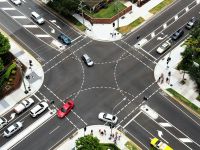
(161, 78)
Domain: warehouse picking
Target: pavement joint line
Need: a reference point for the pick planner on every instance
(137, 140)
(131, 119)
(27, 29)
(133, 56)
(179, 130)
(66, 57)
(166, 22)
(135, 49)
(62, 52)
(62, 139)
(156, 16)
(168, 131)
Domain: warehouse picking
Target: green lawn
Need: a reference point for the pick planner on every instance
(108, 12)
(160, 6)
(106, 146)
(184, 100)
(130, 146)
(128, 28)
(75, 22)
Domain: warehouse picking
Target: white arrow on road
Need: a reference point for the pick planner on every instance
(161, 38)
(53, 21)
(160, 134)
(12, 116)
(52, 29)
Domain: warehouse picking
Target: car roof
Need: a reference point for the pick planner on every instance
(86, 56)
(109, 116)
(35, 14)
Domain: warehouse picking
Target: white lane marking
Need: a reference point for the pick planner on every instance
(19, 17)
(187, 9)
(176, 17)
(152, 34)
(198, 1)
(165, 124)
(30, 26)
(186, 140)
(76, 38)
(3, 0)
(29, 130)
(132, 119)
(54, 130)
(8, 8)
(165, 25)
(42, 35)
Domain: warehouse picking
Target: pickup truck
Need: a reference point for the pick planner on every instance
(23, 105)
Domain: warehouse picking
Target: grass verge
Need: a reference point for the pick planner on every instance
(76, 23)
(184, 100)
(131, 146)
(108, 12)
(160, 6)
(128, 28)
(106, 146)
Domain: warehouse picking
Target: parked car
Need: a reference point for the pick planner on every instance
(64, 39)
(65, 109)
(155, 142)
(87, 60)
(177, 34)
(3, 122)
(23, 105)
(165, 46)
(12, 129)
(38, 109)
(190, 24)
(108, 117)
(37, 18)
(16, 2)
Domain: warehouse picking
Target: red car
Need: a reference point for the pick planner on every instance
(65, 109)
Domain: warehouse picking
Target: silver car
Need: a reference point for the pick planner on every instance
(87, 60)
(12, 129)
(3, 122)
(108, 117)
(16, 2)
(165, 46)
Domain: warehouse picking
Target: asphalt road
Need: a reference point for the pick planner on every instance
(121, 76)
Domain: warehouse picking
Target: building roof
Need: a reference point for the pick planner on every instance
(92, 3)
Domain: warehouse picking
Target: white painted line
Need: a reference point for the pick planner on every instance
(187, 9)
(8, 8)
(19, 17)
(26, 131)
(132, 119)
(165, 25)
(198, 1)
(153, 34)
(42, 35)
(76, 38)
(54, 129)
(186, 140)
(30, 26)
(3, 0)
(176, 17)
(165, 124)
(149, 112)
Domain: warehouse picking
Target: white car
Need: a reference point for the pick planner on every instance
(108, 117)
(87, 60)
(16, 2)
(165, 46)
(23, 105)
(3, 122)
(12, 129)
(38, 109)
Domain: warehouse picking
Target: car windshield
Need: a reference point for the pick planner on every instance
(7, 131)
(164, 46)
(16, 125)
(63, 110)
(41, 105)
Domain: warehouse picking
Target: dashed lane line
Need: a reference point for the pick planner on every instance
(54, 129)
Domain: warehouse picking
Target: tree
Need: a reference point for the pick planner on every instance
(88, 142)
(4, 44)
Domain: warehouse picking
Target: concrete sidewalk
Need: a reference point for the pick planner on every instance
(35, 72)
(94, 130)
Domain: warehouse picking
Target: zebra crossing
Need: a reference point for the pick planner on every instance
(29, 25)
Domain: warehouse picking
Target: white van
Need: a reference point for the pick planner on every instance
(12, 129)
(38, 109)
(37, 18)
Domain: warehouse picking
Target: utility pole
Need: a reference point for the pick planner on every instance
(116, 6)
(81, 8)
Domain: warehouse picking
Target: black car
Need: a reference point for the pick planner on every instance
(177, 34)
(190, 24)
(64, 39)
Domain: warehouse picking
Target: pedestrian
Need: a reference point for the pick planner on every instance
(169, 73)
(137, 37)
(100, 131)
(104, 131)
(158, 79)
(115, 141)
(119, 137)
(91, 133)
(167, 80)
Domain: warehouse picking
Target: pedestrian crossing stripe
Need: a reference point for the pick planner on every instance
(30, 26)
(165, 124)
(19, 17)
(186, 140)
(42, 35)
(152, 34)
(8, 8)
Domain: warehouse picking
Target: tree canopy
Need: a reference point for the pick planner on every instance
(88, 142)
(4, 44)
